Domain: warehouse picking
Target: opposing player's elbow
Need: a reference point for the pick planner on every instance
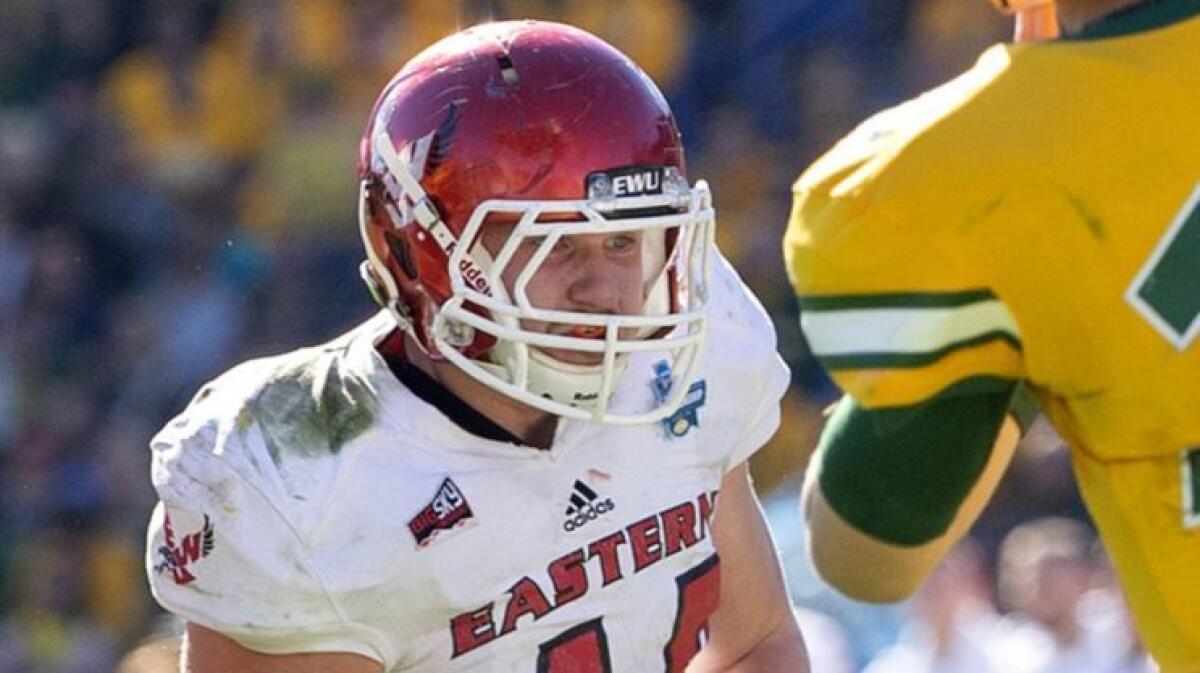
(859, 565)
(884, 586)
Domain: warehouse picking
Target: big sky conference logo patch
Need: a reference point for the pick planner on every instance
(447, 510)
(175, 558)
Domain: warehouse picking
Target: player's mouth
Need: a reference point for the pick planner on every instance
(587, 332)
(577, 357)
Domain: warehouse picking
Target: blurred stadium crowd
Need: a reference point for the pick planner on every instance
(177, 194)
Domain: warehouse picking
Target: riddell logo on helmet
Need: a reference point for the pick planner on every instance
(474, 275)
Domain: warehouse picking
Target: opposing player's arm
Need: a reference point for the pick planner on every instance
(897, 281)
(890, 491)
(159, 654)
(917, 446)
(752, 628)
(206, 651)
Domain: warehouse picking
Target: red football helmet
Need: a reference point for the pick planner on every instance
(548, 131)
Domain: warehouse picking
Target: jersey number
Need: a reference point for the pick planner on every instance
(1166, 291)
(1190, 464)
(584, 648)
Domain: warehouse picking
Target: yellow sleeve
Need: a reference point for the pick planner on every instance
(896, 298)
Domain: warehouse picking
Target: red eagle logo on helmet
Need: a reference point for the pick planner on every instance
(175, 558)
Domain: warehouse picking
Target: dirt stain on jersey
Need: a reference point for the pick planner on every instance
(309, 406)
(979, 213)
(1093, 223)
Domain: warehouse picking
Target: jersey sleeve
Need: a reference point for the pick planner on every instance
(895, 289)
(761, 428)
(223, 553)
(744, 329)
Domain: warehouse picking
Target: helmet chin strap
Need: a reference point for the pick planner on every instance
(576, 385)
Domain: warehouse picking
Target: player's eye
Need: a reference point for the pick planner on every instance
(561, 246)
(621, 242)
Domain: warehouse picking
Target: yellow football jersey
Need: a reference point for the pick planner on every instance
(1038, 218)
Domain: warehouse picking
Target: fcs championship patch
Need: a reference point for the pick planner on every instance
(447, 510)
(687, 416)
(176, 557)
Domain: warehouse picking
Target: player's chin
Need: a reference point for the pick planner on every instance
(571, 357)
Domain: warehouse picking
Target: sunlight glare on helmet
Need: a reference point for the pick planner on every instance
(600, 192)
(676, 185)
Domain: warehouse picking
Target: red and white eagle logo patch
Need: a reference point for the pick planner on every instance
(175, 558)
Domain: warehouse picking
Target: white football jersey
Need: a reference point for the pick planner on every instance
(311, 502)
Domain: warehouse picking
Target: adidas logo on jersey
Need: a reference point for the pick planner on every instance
(585, 506)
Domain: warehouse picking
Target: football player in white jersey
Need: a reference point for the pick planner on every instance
(516, 465)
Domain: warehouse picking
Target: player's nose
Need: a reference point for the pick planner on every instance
(598, 284)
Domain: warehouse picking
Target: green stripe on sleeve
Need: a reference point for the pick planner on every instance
(843, 302)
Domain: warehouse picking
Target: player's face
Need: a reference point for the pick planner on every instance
(603, 273)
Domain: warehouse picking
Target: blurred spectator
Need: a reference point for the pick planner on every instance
(868, 628)
(196, 319)
(46, 629)
(114, 595)
(50, 41)
(192, 107)
(946, 36)
(1046, 571)
(953, 622)
(380, 36)
(1104, 610)
(653, 34)
(828, 646)
(15, 262)
(304, 182)
(27, 150)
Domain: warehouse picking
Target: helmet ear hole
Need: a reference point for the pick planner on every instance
(399, 252)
